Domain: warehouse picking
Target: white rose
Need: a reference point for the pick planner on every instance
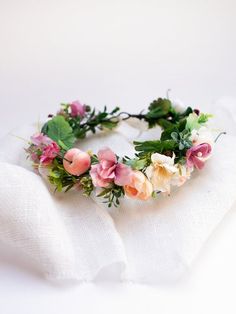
(178, 105)
(203, 135)
(161, 171)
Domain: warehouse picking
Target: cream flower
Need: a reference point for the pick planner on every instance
(203, 135)
(161, 171)
(182, 175)
(178, 105)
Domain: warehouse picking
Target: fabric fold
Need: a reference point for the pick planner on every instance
(67, 236)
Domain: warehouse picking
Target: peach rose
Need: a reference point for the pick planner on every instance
(139, 188)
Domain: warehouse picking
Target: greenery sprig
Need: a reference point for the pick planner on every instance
(112, 195)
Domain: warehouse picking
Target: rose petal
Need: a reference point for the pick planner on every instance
(198, 163)
(96, 178)
(123, 175)
(107, 154)
(107, 173)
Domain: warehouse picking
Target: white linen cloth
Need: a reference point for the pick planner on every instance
(69, 236)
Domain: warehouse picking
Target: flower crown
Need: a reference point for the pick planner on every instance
(185, 143)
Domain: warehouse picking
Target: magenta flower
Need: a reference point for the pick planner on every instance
(49, 153)
(77, 109)
(196, 155)
(108, 170)
(40, 139)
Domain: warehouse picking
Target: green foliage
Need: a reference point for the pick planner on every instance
(95, 120)
(103, 119)
(175, 138)
(109, 124)
(87, 185)
(112, 195)
(63, 180)
(166, 134)
(195, 122)
(157, 146)
(80, 132)
(178, 127)
(157, 109)
(162, 113)
(182, 139)
(164, 124)
(204, 117)
(186, 113)
(60, 178)
(94, 159)
(59, 130)
(137, 163)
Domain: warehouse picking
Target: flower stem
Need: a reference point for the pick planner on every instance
(129, 115)
(219, 135)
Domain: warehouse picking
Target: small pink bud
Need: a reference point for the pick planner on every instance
(77, 109)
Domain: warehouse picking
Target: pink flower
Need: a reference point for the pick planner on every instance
(39, 139)
(49, 153)
(109, 170)
(196, 155)
(77, 109)
(140, 187)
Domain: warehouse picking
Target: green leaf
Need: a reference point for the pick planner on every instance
(186, 113)
(165, 124)
(44, 129)
(94, 159)
(115, 110)
(55, 174)
(175, 136)
(109, 124)
(166, 135)
(63, 145)
(182, 139)
(137, 164)
(104, 192)
(59, 130)
(157, 109)
(204, 117)
(80, 132)
(157, 146)
(192, 122)
(102, 115)
(161, 104)
(112, 195)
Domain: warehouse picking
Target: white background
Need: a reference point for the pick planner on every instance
(122, 53)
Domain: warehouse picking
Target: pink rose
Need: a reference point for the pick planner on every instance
(108, 170)
(196, 155)
(49, 153)
(77, 109)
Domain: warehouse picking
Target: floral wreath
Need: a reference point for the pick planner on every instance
(185, 143)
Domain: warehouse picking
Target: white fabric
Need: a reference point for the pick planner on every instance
(72, 237)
